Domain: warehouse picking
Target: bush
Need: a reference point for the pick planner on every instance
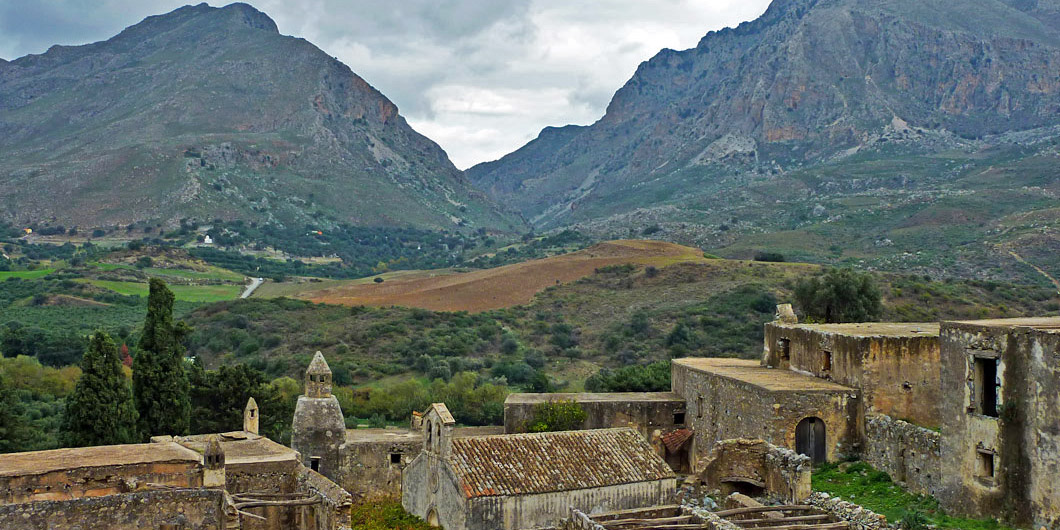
(563, 415)
(839, 295)
(775, 257)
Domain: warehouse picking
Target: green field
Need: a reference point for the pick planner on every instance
(188, 293)
(211, 273)
(25, 275)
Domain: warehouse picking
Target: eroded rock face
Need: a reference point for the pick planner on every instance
(808, 80)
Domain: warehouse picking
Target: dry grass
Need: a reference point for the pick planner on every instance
(500, 287)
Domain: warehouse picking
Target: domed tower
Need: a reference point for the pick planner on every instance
(319, 428)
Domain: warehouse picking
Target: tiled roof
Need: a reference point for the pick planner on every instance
(520, 464)
(674, 440)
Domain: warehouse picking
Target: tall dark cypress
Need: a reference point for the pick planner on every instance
(159, 380)
(101, 410)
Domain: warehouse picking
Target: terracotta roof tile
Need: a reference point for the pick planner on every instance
(674, 440)
(519, 464)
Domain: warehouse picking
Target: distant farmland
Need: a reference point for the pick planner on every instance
(496, 288)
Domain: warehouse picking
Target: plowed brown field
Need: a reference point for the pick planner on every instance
(505, 286)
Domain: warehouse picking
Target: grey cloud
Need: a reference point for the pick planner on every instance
(480, 77)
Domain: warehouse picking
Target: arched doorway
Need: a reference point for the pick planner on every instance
(810, 439)
(432, 518)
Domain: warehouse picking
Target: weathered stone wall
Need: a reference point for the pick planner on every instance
(262, 477)
(645, 412)
(897, 375)
(430, 487)
(549, 509)
(782, 474)
(334, 510)
(719, 408)
(1023, 442)
(95, 481)
(190, 509)
(858, 517)
(907, 452)
(368, 470)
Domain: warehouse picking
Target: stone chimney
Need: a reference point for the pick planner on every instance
(318, 378)
(250, 416)
(213, 462)
(785, 314)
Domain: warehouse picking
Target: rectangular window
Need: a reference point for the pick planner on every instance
(985, 467)
(699, 406)
(827, 361)
(395, 458)
(314, 463)
(785, 350)
(986, 386)
(679, 418)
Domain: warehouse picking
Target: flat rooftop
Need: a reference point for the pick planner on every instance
(585, 397)
(241, 447)
(41, 462)
(408, 435)
(1047, 324)
(874, 329)
(753, 373)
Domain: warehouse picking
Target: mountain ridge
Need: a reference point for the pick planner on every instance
(823, 99)
(210, 112)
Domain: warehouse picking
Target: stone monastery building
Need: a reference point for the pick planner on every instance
(968, 412)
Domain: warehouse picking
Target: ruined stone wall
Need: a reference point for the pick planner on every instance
(720, 408)
(262, 477)
(95, 481)
(908, 453)
(334, 510)
(645, 412)
(187, 509)
(1022, 443)
(897, 376)
(781, 473)
(368, 469)
(549, 509)
(858, 517)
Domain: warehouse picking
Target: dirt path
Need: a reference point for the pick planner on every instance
(1037, 268)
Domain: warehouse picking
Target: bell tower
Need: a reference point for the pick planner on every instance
(319, 428)
(250, 416)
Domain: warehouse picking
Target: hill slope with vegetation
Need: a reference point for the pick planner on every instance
(211, 113)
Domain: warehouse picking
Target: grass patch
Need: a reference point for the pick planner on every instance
(861, 484)
(25, 275)
(188, 293)
(384, 516)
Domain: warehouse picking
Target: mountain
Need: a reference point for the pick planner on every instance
(209, 112)
(833, 130)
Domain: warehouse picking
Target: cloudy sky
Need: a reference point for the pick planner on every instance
(480, 77)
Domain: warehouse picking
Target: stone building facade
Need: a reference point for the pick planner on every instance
(236, 480)
(646, 412)
(894, 366)
(1001, 419)
(524, 481)
(735, 398)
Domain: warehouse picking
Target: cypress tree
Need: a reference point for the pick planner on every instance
(159, 380)
(100, 411)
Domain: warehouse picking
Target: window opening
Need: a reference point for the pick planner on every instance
(986, 387)
(679, 418)
(827, 361)
(395, 458)
(785, 349)
(314, 463)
